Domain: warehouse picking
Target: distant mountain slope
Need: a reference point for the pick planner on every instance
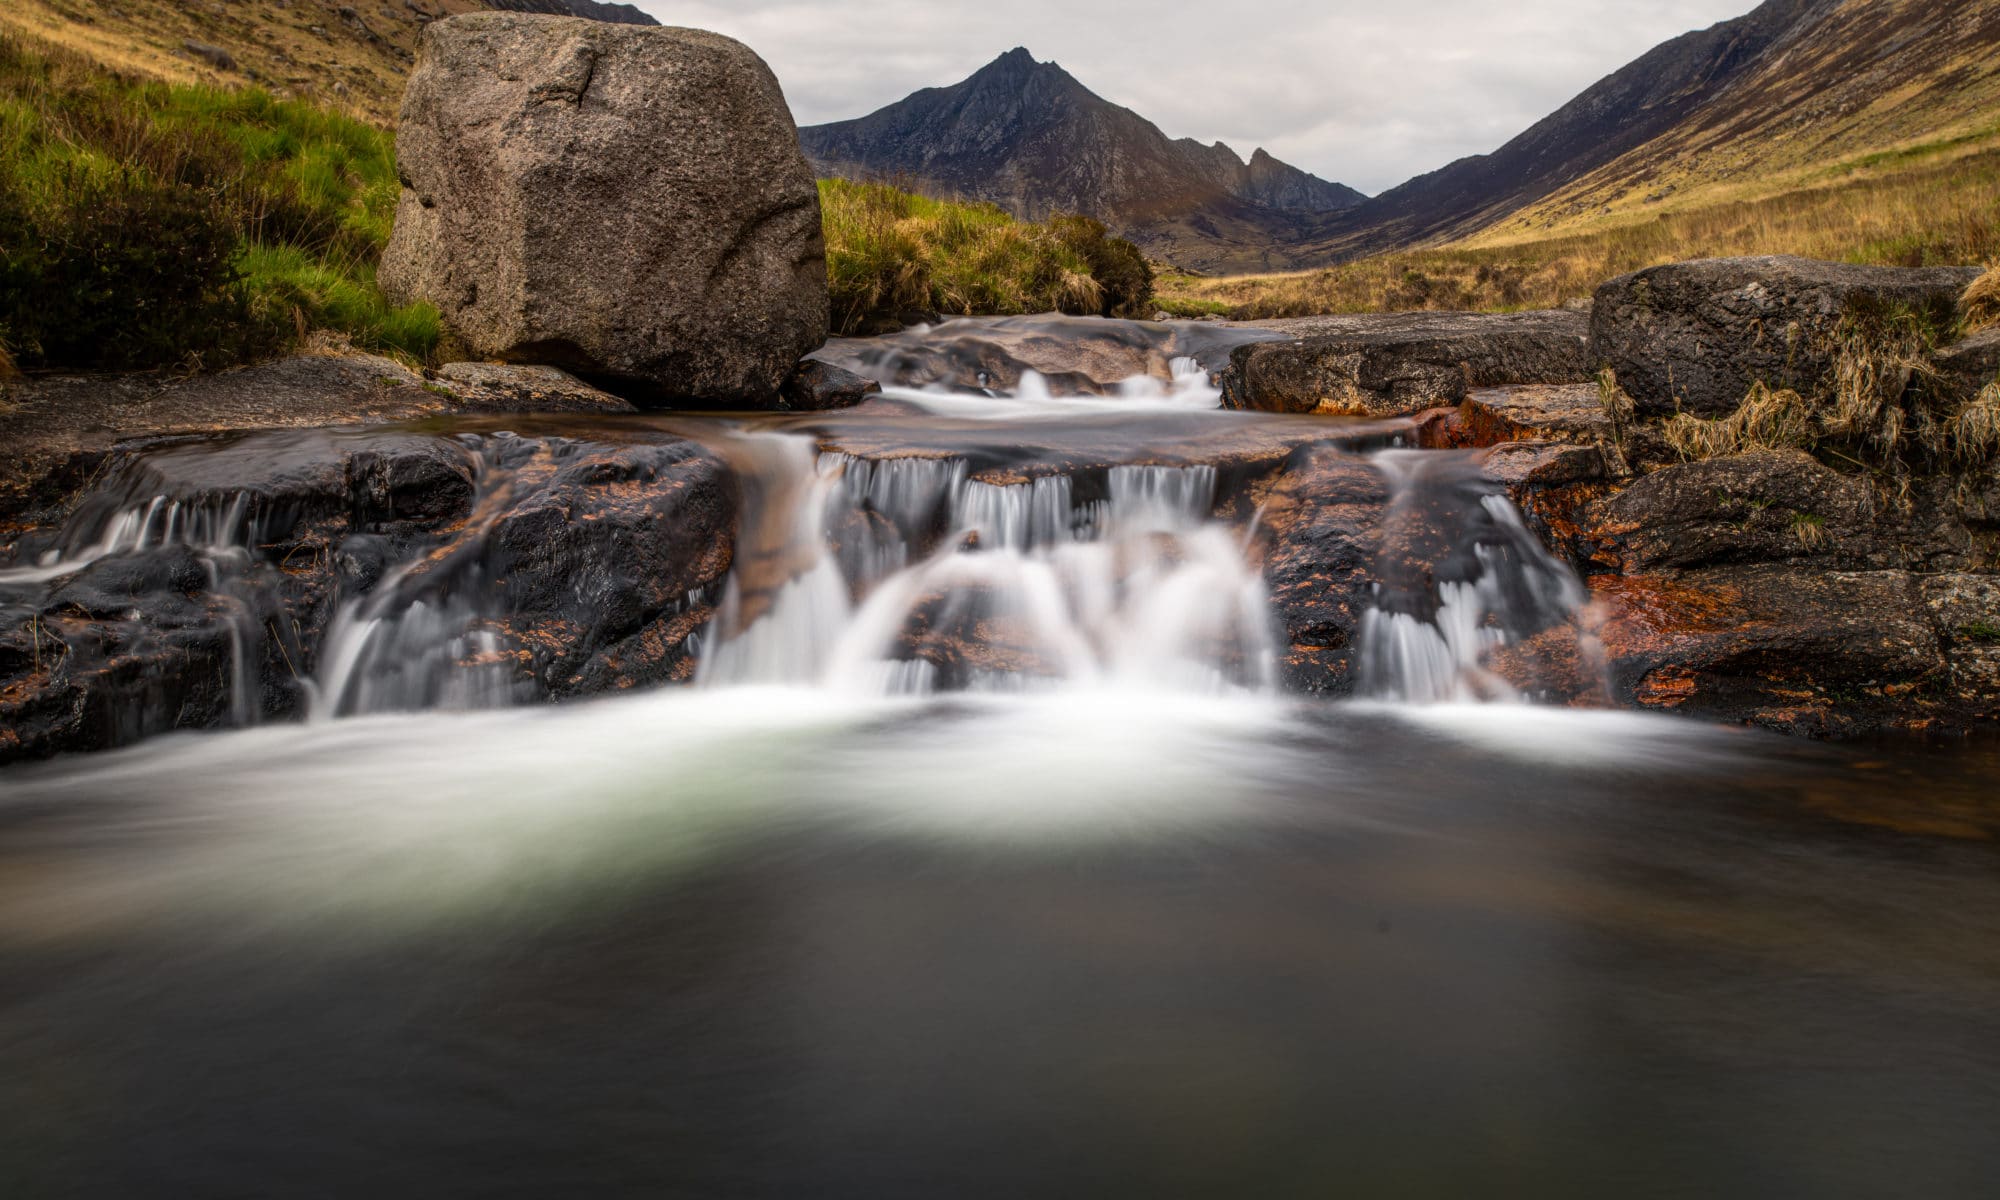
(1857, 87)
(1028, 136)
(334, 51)
(1621, 112)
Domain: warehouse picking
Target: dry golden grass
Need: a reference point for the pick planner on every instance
(1982, 302)
(300, 48)
(1925, 214)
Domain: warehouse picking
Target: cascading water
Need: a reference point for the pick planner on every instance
(915, 578)
(1460, 575)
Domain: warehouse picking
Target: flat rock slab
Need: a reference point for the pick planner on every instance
(1695, 336)
(1400, 363)
(1564, 412)
(68, 421)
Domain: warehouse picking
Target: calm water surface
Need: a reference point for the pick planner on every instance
(760, 943)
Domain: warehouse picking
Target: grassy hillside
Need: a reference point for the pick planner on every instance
(1920, 206)
(1872, 88)
(890, 253)
(297, 49)
(146, 223)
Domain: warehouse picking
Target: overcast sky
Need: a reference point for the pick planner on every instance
(1368, 92)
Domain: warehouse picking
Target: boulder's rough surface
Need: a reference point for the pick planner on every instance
(1968, 367)
(628, 203)
(1694, 336)
(1397, 364)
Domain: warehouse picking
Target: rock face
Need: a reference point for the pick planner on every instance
(627, 203)
(1395, 365)
(1694, 336)
(585, 569)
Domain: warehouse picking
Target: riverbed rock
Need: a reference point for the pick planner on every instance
(1398, 364)
(818, 386)
(1799, 649)
(1572, 413)
(627, 203)
(588, 568)
(60, 429)
(1780, 506)
(1322, 517)
(1694, 336)
(1074, 356)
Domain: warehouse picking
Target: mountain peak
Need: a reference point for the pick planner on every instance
(1029, 136)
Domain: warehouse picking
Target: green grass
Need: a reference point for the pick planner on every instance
(147, 224)
(891, 254)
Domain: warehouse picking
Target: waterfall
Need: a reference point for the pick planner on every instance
(912, 577)
(1459, 575)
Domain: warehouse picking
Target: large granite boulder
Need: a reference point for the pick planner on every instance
(1391, 365)
(1694, 336)
(627, 203)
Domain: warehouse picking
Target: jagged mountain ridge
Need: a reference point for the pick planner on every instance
(1028, 136)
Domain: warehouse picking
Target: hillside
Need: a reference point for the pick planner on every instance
(1028, 136)
(1859, 88)
(1796, 94)
(352, 56)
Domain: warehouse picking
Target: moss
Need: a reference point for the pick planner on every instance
(1983, 633)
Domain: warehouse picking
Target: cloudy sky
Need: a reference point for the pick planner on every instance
(1368, 92)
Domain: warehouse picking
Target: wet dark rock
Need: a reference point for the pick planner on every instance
(1397, 364)
(1077, 356)
(1694, 336)
(1782, 506)
(611, 566)
(1322, 518)
(1799, 649)
(626, 202)
(819, 386)
(60, 428)
(599, 562)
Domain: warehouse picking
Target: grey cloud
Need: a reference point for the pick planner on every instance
(1365, 92)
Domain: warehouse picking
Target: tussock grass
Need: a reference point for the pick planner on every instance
(1930, 214)
(1981, 304)
(1768, 419)
(891, 253)
(145, 223)
(1884, 409)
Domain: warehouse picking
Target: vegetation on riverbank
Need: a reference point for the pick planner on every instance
(1926, 213)
(149, 224)
(891, 254)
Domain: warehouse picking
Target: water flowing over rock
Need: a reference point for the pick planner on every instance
(628, 203)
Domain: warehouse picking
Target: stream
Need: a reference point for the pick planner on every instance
(981, 844)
